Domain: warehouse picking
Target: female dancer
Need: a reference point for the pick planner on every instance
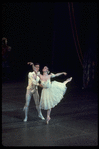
(52, 93)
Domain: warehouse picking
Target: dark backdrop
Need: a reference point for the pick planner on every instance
(41, 32)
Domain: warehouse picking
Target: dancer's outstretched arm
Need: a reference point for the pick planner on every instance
(58, 74)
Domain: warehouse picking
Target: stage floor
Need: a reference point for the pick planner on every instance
(74, 121)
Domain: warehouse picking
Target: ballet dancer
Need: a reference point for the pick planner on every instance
(32, 89)
(52, 92)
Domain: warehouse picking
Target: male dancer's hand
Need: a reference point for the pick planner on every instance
(33, 67)
(30, 63)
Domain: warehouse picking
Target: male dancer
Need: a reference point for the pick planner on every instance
(32, 88)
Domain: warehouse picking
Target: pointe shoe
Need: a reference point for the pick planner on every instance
(48, 119)
(68, 80)
(47, 122)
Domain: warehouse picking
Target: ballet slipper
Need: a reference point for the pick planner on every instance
(25, 120)
(68, 80)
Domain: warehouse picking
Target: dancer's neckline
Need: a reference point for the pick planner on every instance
(45, 81)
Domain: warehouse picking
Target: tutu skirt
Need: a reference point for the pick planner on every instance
(52, 95)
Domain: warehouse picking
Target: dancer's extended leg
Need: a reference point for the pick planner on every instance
(28, 98)
(48, 116)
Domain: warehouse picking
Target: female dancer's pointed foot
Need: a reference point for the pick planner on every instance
(48, 119)
(68, 80)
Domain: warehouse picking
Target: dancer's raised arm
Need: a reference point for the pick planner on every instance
(31, 63)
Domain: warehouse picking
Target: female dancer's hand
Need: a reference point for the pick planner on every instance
(65, 73)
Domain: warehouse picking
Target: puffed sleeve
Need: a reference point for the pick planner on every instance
(30, 75)
(52, 75)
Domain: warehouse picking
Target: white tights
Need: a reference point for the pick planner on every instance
(28, 98)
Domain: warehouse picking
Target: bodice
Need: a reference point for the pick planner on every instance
(46, 84)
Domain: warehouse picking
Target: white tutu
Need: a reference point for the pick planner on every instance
(52, 93)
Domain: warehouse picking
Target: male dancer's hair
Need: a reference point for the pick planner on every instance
(36, 64)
